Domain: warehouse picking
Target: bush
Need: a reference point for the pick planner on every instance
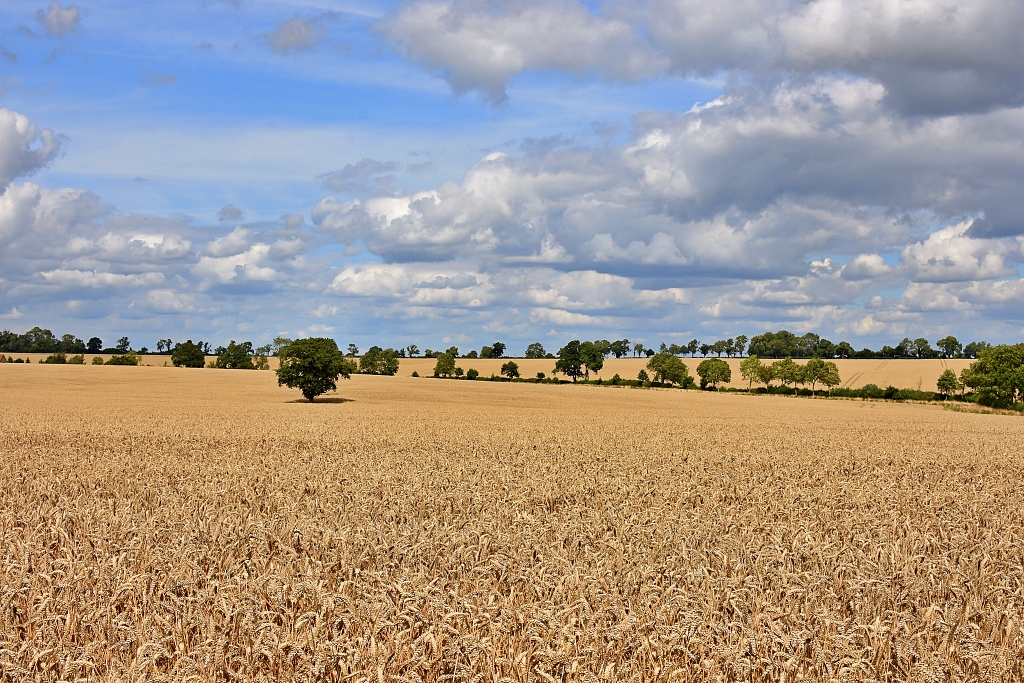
(472, 373)
(188, 355)
(642, 376)
(415, 374)
(128, 358)
(59, 358)
(96, 360)
(76, 360)
(313, 366)
(540, 376)
(458, 371)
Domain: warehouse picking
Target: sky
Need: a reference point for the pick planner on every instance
(458, 172)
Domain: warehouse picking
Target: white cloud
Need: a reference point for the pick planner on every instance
(246, 266)
(80, 278)
(481, 44)
(57, 20)
(19, 152)
(950, 255)
(865, 267)
(231, 244)
(554, 316)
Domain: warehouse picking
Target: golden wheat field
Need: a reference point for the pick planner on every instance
(171, 524)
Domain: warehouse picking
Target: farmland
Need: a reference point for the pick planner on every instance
(167, 524)
(901, 373)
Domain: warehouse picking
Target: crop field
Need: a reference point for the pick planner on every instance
(901, 373)
(171, 524)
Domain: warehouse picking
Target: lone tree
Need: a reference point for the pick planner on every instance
(570, 360)
(497, 350)
(313, 366)
(713, 371)
(188, 355)
(947, 384)
(668, 368)
(445, 366)
(510, 369)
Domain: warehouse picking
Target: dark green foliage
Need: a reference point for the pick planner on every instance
(570, 360)
(535, 350)
(667, 368)
(997, 377)
(714, 371)
(497, 350)
(188, 355)
(510, 369)
(445, 366)
(95, 345)
(472, 373)
(236, 357)
(313, 366)
(127, 358)
(378, 361)
(59, 358)
(415, 374)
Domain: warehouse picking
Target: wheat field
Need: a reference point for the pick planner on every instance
(171, 524)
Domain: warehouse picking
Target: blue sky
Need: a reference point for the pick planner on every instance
(464, 171)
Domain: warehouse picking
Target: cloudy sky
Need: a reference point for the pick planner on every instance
(427, 171)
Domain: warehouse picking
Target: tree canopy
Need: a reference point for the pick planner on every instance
(998, 376)
(714, 371)
(313, 366)
(378, 361)
(667, 368)
(188, 355)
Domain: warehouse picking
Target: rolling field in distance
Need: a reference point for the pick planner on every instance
(164, 524)
(901, 373)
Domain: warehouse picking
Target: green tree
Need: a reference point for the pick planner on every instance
(497, 350)
(188, 355)
(313, 366)
(510, 369)
(750, 370)
(56, 358)
(620, 348)
(765, 375)
(830, 378)
(453, 351)
(412, 350)
(714, 371)
(535, 350)
(353, 350)
(236, 357)
(123, 345)
(592, 355)
(922, 348)
(951, 347)
(95, 345)
(445, 366)
(998, 376)
(787, 371)
(638, 349)
(814, 372)
(472, 373)
(740, 344)
(666, 367)
(947, 383)
(378, 361)
(642, 376)
(570, 360)
(486, 352)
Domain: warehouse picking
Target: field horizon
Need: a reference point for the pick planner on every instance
(903, 373)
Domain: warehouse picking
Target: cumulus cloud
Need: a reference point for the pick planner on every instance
(24, 149)
(296, 35)
(932, 58)
(368, 176)
(950, 254)
(57, 20)
(482, 44)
